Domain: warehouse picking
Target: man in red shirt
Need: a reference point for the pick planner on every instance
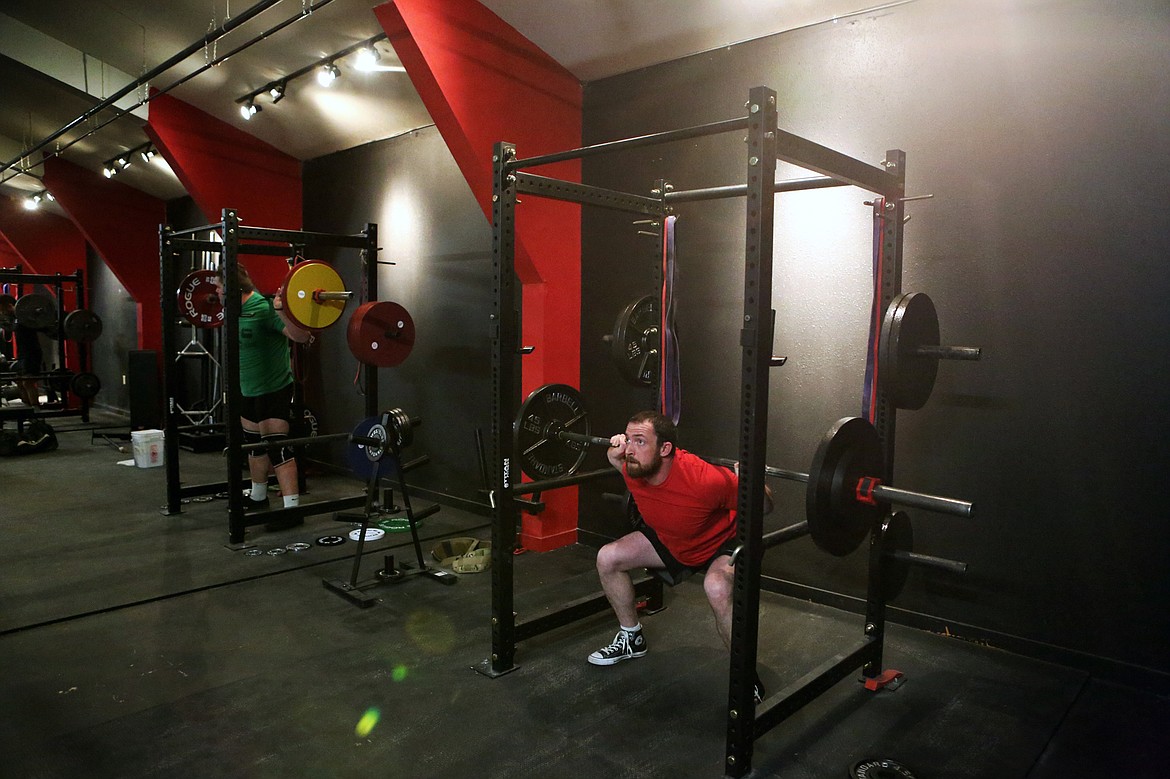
(687, 508)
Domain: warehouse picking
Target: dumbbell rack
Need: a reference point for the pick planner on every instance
(58, 282)
(240, 239)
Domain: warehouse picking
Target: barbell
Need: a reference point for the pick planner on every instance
(371, 439)
(313, 294)
(845, 497)
(908, 347)
(380, 333)
(38, 311)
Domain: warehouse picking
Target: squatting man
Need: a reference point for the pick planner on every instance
(687, 523)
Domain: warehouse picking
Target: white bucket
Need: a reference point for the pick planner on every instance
(148, 448)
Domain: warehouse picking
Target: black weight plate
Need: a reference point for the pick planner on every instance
(330, 540)
(837, 521)
(85, 385)
(635, 342)
(36, 311)
(82, 325)
(402, 425)
(879, 768)
(907, 377)
(897, 536)
(360, 464)
(547, 411)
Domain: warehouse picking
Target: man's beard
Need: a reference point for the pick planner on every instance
(636, 470)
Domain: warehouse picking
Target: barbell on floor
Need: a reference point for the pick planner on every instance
(845, 497)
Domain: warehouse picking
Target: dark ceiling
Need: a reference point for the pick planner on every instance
(58, 60)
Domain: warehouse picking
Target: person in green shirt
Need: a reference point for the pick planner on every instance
(266, 384)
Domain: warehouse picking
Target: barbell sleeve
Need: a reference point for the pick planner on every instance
(322, 294)
(956, 508)
(950, 352)
(929, 561)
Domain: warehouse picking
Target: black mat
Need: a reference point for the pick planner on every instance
(138, 645)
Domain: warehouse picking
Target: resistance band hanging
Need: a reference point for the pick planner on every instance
(671, 388)
(869, 389)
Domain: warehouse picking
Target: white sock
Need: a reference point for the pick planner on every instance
(259, 490)
(292, 500)
(634, 629)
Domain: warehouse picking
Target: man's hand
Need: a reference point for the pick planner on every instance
(616, 453)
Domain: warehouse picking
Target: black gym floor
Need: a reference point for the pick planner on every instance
(138, 645)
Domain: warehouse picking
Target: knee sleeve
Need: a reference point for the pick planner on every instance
(254, 437)
(277, 451)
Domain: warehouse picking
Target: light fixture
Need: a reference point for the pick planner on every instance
(148, 153)
(249, 109)
(326, 69)
(327, 74)
(32, 202)
(367, 58)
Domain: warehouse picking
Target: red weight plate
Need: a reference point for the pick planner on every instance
(199, 301)
(380, 334)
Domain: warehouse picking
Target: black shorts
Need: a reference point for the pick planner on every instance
(677, 571)
(273, 405)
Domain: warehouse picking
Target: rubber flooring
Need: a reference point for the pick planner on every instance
(138, 645)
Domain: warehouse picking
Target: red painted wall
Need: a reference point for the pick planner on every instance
(483, 82)
(122, 225)
(223, 167)
(43, 243)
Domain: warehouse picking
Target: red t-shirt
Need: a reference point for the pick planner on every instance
(693, 511)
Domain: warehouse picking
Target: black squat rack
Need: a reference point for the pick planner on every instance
(176, 248)
(766, 144)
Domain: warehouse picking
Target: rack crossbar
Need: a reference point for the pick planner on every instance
(557, 189)
(698, 131)
(740, 190)
(832, 163)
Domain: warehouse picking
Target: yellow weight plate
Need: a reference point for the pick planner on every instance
(302, 307)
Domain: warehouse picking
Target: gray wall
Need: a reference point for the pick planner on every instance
(1040, 128)
(430, 226)
(110, 353)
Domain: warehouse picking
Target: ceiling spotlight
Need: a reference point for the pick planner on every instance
(367, 58)
(123, 161)
(148, 154)
(32, 202)
(109, 171)
(327, 74)
(276, 92)
(249, 109)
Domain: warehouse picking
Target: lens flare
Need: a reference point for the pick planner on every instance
(367, 722)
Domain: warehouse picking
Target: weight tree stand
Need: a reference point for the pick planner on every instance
(766, 144)
(240, 239)
(382, 446)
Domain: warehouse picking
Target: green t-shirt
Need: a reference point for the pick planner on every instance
(264, 359)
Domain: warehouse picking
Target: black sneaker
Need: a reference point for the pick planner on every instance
(254, 505)
(758, 691)
(625, 646)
